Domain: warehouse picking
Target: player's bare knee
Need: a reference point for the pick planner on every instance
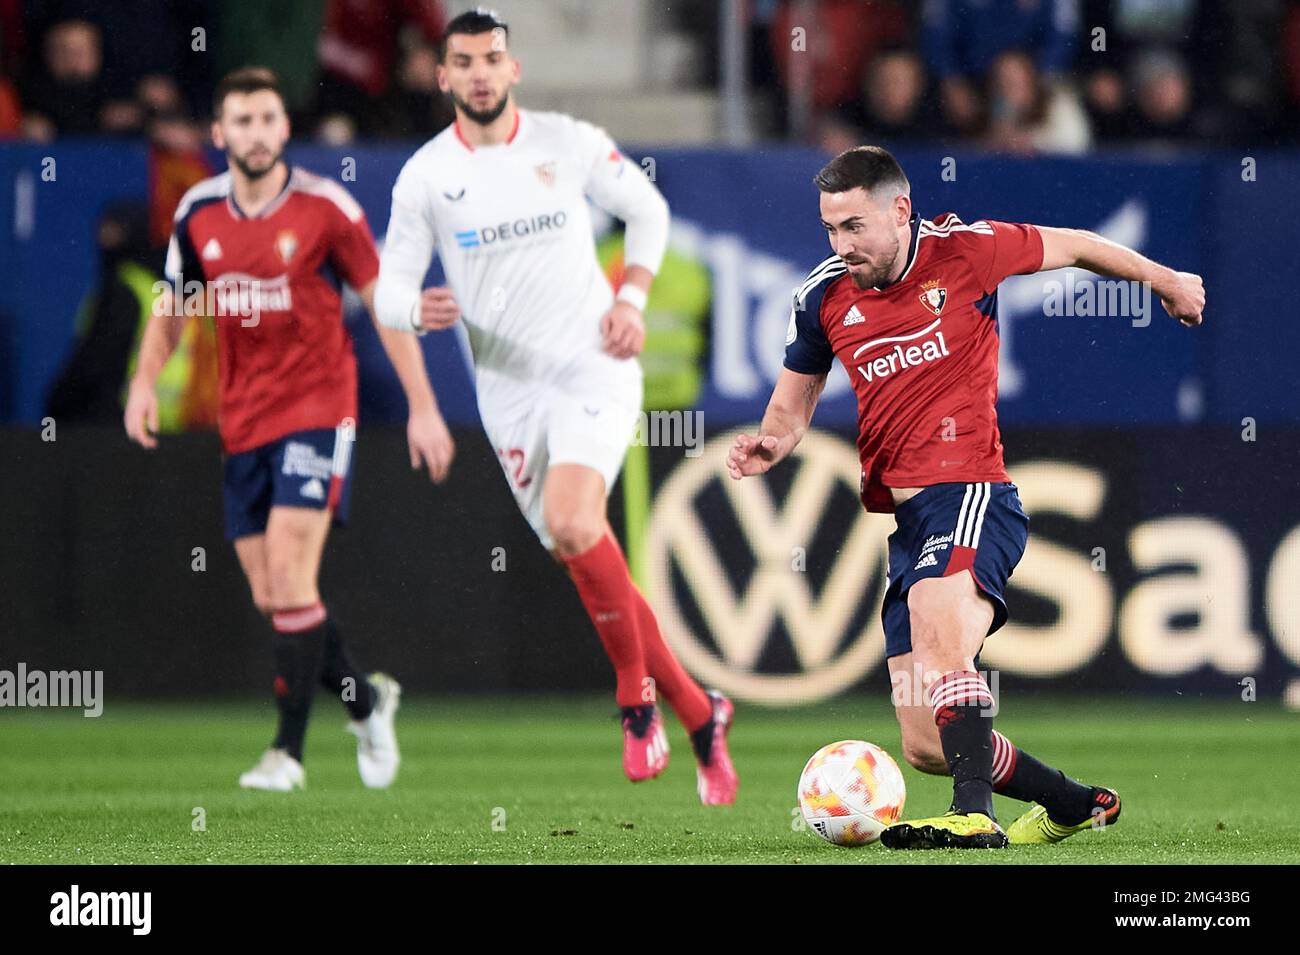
(930, 604)
(941, 617)
(286, 587)
(280, 593)
(573, 531)
(932, 638)
(260, 593)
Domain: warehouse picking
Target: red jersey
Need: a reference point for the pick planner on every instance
(285, 358)
(921, 352)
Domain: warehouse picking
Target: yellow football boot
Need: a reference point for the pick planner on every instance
(952, 830)
(1036, 827)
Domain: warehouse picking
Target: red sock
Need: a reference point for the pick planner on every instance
(688, 700)
(605, 587)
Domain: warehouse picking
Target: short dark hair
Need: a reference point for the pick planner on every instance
(472, 23)
(865, 167)
(246, 79)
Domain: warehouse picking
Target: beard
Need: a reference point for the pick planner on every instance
(876, 277)
(481, 116)
(249, 171)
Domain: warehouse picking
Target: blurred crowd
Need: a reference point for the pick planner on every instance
(1051, 76)
(145, 70)
(1046, 76)
(1025, 76)
(349, 68)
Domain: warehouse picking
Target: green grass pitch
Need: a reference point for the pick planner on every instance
(539, 781)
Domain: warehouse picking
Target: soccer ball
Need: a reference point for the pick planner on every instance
(849, 791)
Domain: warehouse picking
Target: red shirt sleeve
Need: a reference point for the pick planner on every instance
(1015, 249)
(353, 254)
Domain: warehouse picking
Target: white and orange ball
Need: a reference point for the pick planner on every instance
(850, 791)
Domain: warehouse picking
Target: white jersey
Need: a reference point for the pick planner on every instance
(512, 227)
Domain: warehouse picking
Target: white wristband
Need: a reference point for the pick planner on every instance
(633, 295)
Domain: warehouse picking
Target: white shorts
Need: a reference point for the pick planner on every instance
(561, 427)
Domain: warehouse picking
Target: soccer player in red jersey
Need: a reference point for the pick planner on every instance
(909, 308)
(258, 242)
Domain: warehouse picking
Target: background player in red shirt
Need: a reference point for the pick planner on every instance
(260, 240)
(909, 308)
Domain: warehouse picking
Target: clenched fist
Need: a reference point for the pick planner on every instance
(141, 417)
(1185, 299)
(622, 331)
(438, 309)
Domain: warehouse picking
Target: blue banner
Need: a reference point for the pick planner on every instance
(1075, 352)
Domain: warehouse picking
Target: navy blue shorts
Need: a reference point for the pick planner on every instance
(303, 469)
(943, 530)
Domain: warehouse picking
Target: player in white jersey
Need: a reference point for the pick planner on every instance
(501, 196)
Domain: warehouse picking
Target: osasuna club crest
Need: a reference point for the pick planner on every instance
(933, 297)
(286, 243)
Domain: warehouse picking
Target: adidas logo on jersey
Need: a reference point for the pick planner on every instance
(928, 560)
(313, 489)
(854, 317)
(212, 250)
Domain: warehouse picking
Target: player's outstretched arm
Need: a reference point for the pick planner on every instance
(427, 436)
(789, 412)
(1181, 293)
(161, 336)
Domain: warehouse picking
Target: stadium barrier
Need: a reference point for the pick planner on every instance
(1162, 561)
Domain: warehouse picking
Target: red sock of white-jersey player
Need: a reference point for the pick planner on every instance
(687, 698)
(601, 576)
(299, 649)
(959, 700)
(706, 717)
(1020, 776)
